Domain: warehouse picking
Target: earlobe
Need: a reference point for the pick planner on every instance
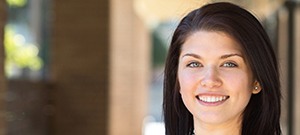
(257, 88)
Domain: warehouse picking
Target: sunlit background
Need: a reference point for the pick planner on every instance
(24, 38)
(95, 67)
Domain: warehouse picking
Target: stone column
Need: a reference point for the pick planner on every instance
(129, 69)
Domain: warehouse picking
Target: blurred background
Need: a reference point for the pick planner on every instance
(95, 67)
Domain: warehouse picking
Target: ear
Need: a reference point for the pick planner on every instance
(256, 88)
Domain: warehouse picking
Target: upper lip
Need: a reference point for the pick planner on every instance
(211, 94)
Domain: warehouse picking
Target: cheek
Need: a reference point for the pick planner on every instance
(240, 86)
(240, 80)
(187, 82)
(188, 87)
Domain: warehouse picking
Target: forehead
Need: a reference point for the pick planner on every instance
(211, 41)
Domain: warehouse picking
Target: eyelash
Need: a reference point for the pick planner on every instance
(226, 64)
(230, 64)
(193, 64)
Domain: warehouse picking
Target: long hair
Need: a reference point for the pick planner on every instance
(262, 114)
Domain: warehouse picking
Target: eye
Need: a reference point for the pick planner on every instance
(229, 64)
(194, 64)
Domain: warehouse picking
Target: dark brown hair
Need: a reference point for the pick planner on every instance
(262, 114)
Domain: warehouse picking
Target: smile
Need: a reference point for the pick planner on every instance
(212, 99)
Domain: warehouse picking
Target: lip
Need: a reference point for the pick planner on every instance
(212, 99)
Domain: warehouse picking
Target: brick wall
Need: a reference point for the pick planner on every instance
(79, 59)
(2, 79)
(27, 108)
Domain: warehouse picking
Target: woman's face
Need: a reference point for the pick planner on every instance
(215, 80)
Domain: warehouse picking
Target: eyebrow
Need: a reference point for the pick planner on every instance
(222, 57)
(231, 55)
(192, 55)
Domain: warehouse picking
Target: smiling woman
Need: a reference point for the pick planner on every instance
(215, 82)
(221, 75)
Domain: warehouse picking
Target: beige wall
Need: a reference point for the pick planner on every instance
(297, 73)
(283, 68)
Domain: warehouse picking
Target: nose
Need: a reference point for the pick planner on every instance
(210, 78)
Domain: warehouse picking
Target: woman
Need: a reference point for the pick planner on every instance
(221, 75)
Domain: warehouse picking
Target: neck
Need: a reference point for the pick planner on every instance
(229, 128)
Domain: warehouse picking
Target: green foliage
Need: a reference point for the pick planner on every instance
(16, 3)
(19, 54)
(159, 52)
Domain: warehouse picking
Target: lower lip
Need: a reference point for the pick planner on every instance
(211, 103)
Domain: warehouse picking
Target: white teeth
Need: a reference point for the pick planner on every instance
(211, 99)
